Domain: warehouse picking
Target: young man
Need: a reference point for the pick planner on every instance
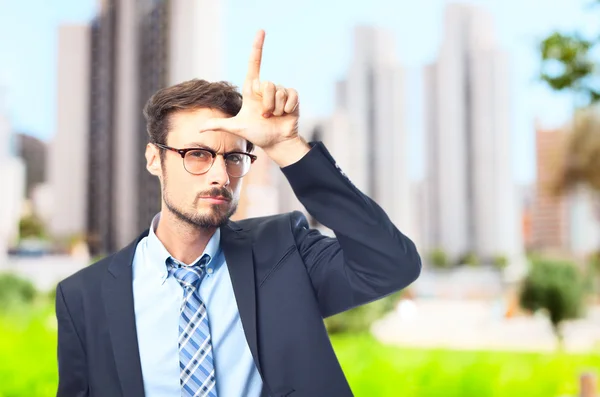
(199, 305)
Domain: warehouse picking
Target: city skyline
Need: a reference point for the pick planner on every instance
(517, 31)
(471, 205)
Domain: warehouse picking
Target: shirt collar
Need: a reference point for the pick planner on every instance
(158, 254)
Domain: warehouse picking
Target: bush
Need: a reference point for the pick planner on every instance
(469, 259)
(556, 287)
(439, 259)
(15, 291)
(359, 319)
(31, 226)
(500, 262)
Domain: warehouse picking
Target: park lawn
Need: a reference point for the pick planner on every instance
(374, 369)
(28, 366)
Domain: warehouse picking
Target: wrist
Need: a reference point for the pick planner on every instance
(287, 152)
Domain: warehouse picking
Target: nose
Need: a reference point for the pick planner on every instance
(218, 172)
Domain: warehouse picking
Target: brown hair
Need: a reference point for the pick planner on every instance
(189, 95)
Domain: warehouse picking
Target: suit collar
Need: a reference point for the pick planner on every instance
(236, 243)
(120, 313)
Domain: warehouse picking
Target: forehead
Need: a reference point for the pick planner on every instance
(184, 126)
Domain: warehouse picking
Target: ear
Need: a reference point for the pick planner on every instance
(153, 160)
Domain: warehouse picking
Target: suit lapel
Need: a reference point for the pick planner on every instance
(120, 314)
(237, 247)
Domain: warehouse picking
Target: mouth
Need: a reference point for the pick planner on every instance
(215, 200)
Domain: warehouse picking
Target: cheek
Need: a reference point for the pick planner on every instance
(180, 183)
(236, 187)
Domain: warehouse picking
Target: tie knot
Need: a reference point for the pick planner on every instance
(188, 276)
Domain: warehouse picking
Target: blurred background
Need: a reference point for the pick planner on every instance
(474, 124)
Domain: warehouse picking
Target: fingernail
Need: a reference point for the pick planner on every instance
(266, 115)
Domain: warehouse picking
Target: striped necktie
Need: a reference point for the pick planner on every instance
(197, 376)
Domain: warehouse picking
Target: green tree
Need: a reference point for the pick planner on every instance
(568, 64)
(557, 288)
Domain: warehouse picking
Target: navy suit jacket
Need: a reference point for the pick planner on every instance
(286, 278)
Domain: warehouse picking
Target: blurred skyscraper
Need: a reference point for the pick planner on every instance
(68, 152)
(138, 47)
(564, 223)
(471, 197)
(550, 218)
(33, 151)
(12, 172)
(366, 133)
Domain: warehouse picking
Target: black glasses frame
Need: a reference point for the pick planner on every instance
(214, 154)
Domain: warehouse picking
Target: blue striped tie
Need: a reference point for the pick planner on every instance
(197, 376)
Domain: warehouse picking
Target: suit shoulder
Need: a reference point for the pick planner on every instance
(297, 218)
(88, 275)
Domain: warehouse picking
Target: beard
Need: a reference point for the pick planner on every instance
(216, 215)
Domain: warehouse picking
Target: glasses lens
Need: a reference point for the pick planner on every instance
(238, 164)
(197, 161)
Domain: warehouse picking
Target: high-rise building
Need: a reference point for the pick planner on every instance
(550, 215)
(138, 47)
(33, 151)
(68, 150)
(12, 172)
(562, 222)
(260, 194)
(471, 197)
(366, 134)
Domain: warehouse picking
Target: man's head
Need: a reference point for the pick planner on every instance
(203, 196)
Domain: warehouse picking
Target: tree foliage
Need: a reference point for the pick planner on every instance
(568, 65)
(557, 288)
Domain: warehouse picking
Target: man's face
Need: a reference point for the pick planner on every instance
(206, 200)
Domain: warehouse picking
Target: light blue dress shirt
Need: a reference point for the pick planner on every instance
(157, 300)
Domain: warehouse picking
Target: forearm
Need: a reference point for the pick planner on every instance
(383, 259)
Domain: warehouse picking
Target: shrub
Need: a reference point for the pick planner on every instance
(15, 291)
(558, 288)
(469, 259)
(31, 226)
(359, 319)
(500, 262)
(439, 259)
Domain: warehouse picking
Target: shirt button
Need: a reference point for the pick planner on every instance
(209, 270)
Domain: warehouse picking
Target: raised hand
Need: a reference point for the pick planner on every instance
(269, 114)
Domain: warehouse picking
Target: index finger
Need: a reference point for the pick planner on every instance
(256, 56)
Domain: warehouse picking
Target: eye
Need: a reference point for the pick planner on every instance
(235, 158)
(199, 154)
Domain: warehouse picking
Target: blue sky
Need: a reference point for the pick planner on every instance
(308, 47)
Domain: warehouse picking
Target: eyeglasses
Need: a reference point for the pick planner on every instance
(199, 161)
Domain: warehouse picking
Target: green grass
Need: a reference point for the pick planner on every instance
(28, 354)
(28, 366)
(373, 369)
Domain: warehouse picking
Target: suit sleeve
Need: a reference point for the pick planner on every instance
(72, 369)
(369, 257)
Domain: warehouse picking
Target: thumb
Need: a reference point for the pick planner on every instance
(229, 124)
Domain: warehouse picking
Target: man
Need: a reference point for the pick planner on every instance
(199, 305)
